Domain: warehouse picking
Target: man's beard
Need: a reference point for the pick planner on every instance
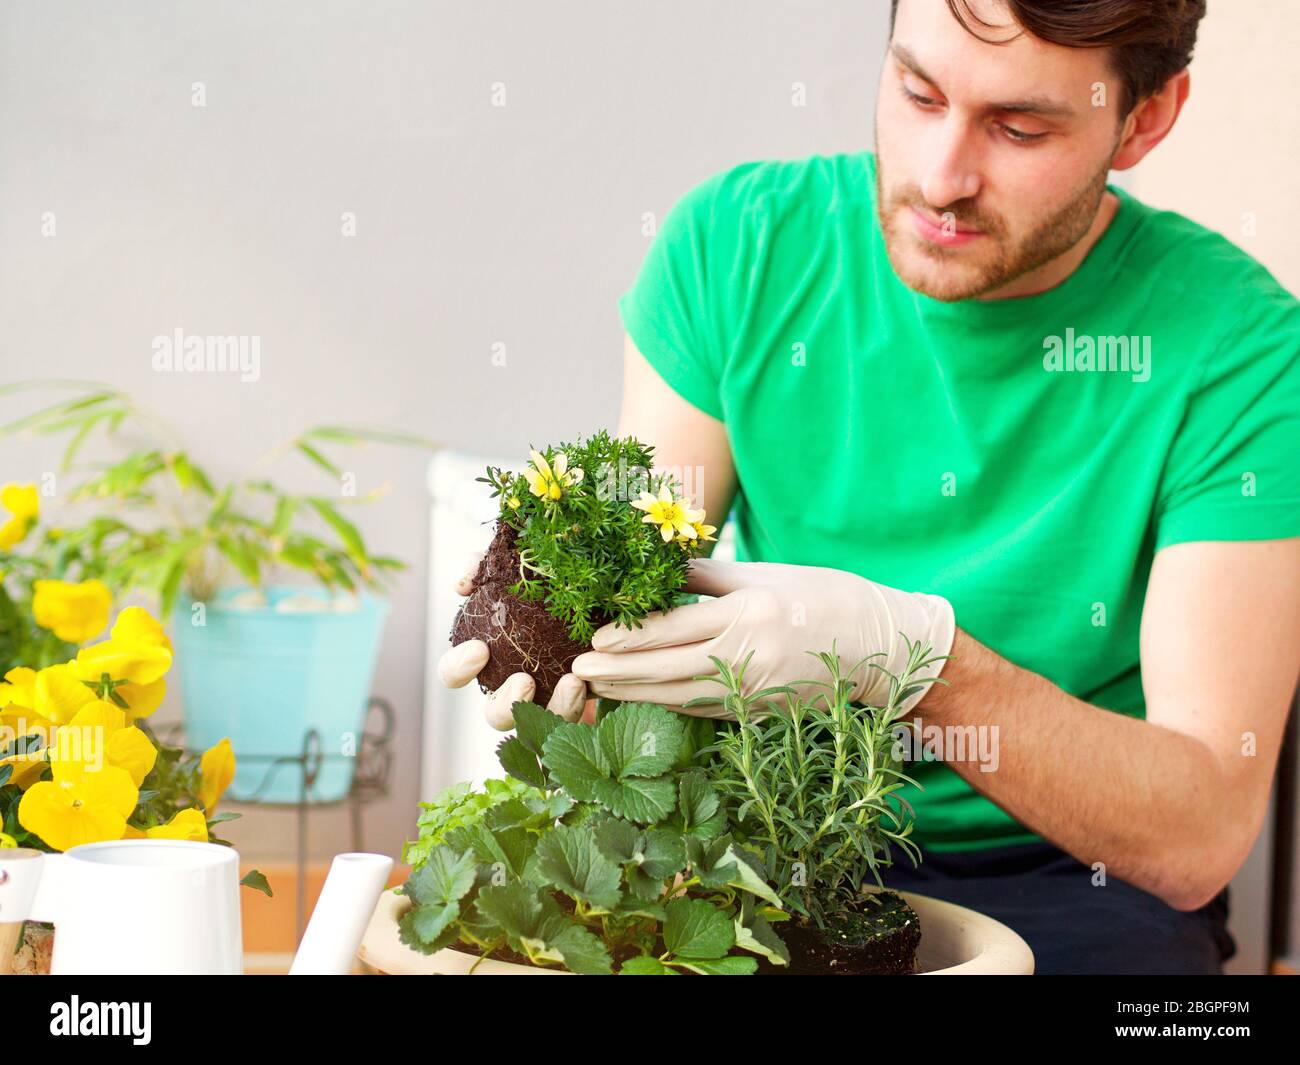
(953, 273)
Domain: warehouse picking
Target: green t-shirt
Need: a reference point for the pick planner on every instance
(967, 449)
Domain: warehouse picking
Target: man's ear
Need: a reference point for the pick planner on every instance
(1150, 122)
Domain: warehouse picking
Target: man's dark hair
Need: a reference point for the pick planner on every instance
(1151, 40)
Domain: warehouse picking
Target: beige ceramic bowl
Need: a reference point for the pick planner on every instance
(955, 941)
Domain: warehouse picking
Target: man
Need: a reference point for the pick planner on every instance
(1066, 423)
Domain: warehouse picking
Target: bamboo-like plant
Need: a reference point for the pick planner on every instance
(158, 523)
(813, 784)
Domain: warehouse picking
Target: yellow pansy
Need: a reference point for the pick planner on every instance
(187, 824)
(59, 692)
(142, 699)
(80, 805)
(7, 842)
(18, 721)
(24, 506)
(102, 733)
(19, 687)
(137, 650)
(74, 612)
(549, 480)
(669, 513)
(217, 770)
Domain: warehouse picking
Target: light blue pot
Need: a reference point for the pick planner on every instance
(264, 678)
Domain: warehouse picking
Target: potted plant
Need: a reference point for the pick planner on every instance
(265, 659)
(810, 786)
(79, 762)
(770, 825)
(606, 850)
(587, 534)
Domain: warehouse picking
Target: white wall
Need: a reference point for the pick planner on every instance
(475, 224)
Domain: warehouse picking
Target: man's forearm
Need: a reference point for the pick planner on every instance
(1149, 802)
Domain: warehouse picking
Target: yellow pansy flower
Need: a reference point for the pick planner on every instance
(137, 650)
(60, 693)
(7, 842)
(549, 480)
(187, 824)
(74, 612)
(669, 513)
(19, 687)
(216, 770)
(142, 699)
(18, 721)
(24, 505)
(102, 733)
(80, 805)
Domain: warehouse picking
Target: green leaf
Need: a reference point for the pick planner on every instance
(571, 860)
(257, 881)
(759, 938)
(345, 530)
(700, 806)
(734, 965)
(645, 801)
(645, 965)
(514, 907)
(620, 841)
(521, 763)
(748, 874)
(318, 458)
(576, 760)
(697, 929)
(665, 853)
(444, 878)
(640, 740)
(582, 952)
(533, 724)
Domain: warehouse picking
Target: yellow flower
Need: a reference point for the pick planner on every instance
(670, 514)
(142, 699)
(74, 612)
(102, 733)
(80, 805)
(24, 504)
(187, 824)
(60, 693)
(19, 687)
(7, 841)
(703, 532)
(216, 771)
(549, 480)
(137, 650)
(513, 502)
(27, 768)
(18, 721)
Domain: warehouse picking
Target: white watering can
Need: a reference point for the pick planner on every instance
(171, 907)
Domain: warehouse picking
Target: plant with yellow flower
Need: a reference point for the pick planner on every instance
(588, 533)
(78, 760)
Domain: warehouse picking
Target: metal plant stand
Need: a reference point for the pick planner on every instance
(370, 781)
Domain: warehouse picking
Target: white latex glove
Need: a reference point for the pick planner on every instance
(780, 612)
(461, 664)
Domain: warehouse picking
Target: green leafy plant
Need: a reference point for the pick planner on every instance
(617, 855)
(812, 785)
(600, 535)
(155, 521)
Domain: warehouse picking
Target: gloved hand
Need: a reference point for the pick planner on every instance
(461, 664)
(780, 612)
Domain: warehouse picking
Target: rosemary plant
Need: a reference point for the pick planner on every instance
(812, 785)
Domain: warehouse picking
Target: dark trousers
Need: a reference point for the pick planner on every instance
(1071, 926)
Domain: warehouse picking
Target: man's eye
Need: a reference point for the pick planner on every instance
(917, 98)
(1020, 136)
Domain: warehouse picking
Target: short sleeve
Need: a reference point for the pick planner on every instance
(1233, 472)
(683, 308)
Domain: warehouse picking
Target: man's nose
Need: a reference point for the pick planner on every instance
(952, 172)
